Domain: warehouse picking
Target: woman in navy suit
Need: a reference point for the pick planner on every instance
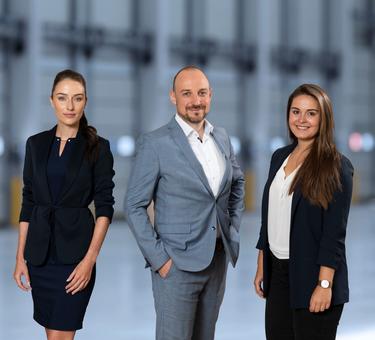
(65, 169)
(302, 270)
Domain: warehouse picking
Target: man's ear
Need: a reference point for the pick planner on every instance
(172, 97)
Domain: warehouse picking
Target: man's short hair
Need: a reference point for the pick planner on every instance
(185, 68)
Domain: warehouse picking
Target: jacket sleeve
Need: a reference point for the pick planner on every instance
(103, 181)
(141, 186)
(27, 191)
(332, 242)
(236, 197)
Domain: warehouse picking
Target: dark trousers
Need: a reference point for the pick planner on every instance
(285, 323)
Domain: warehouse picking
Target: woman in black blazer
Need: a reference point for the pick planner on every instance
(302, 270)
(65, 169)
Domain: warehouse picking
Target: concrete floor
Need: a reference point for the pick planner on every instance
(122, 306)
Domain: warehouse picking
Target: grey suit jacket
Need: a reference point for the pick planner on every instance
(187, 213)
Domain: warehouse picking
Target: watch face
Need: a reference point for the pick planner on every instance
(324, 283)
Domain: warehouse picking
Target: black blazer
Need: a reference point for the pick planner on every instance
(317, 237)
(73, 221)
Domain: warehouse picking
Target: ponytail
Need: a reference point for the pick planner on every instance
(91, 136)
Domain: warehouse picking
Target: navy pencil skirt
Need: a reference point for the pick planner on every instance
(53, 307)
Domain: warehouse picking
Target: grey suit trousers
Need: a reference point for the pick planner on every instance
(187, 303)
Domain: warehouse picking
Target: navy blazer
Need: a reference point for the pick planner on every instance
(72, 219)
(317, 237)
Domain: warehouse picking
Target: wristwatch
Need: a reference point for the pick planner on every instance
(325, 284)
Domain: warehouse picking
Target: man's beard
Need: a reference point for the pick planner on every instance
(195, 117)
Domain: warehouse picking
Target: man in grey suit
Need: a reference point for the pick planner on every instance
(188, 169)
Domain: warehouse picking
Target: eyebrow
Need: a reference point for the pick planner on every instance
(293, 107)
(65, 94)
(189, 90)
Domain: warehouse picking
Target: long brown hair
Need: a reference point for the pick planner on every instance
(88, 131)
(319, 175)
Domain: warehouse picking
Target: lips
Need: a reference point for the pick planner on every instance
(196, 108)
(299, 127)
(69, 115)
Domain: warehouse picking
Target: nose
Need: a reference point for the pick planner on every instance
(195, 100)
(302, 117)
(70, 104)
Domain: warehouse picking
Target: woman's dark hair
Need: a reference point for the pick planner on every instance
(319, 175)
(88, 131)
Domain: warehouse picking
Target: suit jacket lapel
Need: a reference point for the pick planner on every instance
(42, 159)
(227, 162)
(278, 162)
(295, 200)
(182, 141)
(74, 164)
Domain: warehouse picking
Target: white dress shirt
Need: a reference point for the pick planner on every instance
(279, 212)
(207, 153)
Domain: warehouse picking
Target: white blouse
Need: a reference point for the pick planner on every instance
(279, 212)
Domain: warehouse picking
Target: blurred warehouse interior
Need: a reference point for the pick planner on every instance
(254, 52)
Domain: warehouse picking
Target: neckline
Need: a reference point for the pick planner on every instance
(284, 165)
(59, 139)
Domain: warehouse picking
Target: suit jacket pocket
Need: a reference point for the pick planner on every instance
(175, 228)
(174, 235)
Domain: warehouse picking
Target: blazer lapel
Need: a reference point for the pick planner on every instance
(227, 162)
(275, 166)
(74, 164)
(295, 200)
(278, 162)
(297, 192)
(182, 141)
(42, 160)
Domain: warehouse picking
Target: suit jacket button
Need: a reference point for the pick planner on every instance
(213, 228)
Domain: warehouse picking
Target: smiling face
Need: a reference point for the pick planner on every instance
(68, 100)
(304, 118)
(191, 95)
